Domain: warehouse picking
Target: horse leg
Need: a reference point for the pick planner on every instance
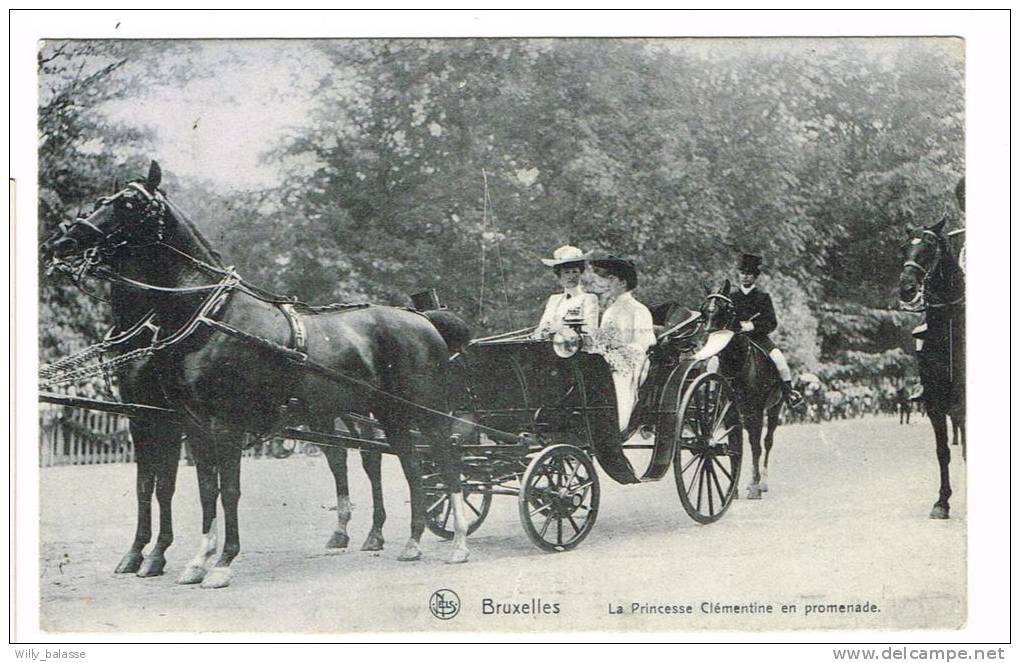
(337, 459)
(772, 422)
(411, 465)
(142, 434)
(372, 462)
(940, 510)
(754, 437)
(169, 456)
(208, 493)
(228, 454)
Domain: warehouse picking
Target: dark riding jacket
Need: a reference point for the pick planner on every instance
(756, 307)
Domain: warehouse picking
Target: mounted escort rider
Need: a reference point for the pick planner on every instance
(757, 319)
(568, 263)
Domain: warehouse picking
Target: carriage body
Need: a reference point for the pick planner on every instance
(562, 414)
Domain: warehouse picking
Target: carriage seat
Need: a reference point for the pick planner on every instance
(668, 315)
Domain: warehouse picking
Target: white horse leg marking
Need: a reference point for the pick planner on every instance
(411, 552)
(195, 571)
(343, 513)
(340, 539)
(460, 553)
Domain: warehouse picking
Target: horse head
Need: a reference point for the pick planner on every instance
(718, 317)
(928, 268)
(717, 311)
(135, 216)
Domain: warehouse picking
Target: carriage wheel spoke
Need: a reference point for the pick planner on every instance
(573, 475)
(694, 457)
(701, 480)
(540, 509)
(545, 527)
(723, 470)
(724, 434)
(577, 530)
(580, 488)
(720, 418)
(718, 484)
(446, 513)
(697, 472)
(435, 504)
(708, 473)
(559, 531)
(715, 485)
(472, 507)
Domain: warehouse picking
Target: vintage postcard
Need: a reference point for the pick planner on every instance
(462, 335)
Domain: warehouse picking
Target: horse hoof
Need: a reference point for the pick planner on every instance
(130, 563)
(939, 512)
(339, 540)
(763, 487)
(217, 578)
(411, 553)
(458, 556)
(192, 575)
(373, 542)
(753, 493)
(152, 566)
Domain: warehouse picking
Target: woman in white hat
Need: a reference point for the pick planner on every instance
(573, 303)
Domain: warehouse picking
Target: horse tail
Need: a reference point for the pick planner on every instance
(451, 327)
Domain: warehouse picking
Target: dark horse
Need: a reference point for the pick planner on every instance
(231, 358)
(933, 282)
(753, 376)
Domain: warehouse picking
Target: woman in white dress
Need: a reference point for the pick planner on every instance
(573, 303)
(626, 332)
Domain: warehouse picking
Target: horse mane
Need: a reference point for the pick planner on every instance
(190, 225)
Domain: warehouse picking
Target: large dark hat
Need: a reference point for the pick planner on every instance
(749, 263)
(616, 266)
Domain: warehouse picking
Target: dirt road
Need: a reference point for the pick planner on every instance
(842, 540)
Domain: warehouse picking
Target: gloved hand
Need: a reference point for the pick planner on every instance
(746, 326)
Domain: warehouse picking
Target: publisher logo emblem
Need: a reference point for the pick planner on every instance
(444, 604)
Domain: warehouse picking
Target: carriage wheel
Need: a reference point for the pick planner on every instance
(709, 445)
(439, 512)
(559, 498)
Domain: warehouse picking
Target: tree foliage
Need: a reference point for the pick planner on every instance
(456, 164)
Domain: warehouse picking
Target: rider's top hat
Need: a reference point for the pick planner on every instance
(565, 255)
(749, 264)
(616, 266)
(427, 300)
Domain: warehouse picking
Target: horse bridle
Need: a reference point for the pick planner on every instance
(154, 213)
(720, 297)
(918, 303)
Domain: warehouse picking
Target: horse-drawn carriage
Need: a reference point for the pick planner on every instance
(561, 411)
(532, 423)
(507, 415)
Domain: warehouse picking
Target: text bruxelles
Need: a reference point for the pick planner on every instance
(531, 607)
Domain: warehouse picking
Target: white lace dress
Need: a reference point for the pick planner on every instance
(623, 338)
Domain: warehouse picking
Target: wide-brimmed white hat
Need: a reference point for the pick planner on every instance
(564, 255)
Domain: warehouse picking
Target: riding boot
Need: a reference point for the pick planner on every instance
(792, 396)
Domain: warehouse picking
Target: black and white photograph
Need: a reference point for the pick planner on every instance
(478, 334)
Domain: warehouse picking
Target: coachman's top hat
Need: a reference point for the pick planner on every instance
(427, 300)
(749, 264)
